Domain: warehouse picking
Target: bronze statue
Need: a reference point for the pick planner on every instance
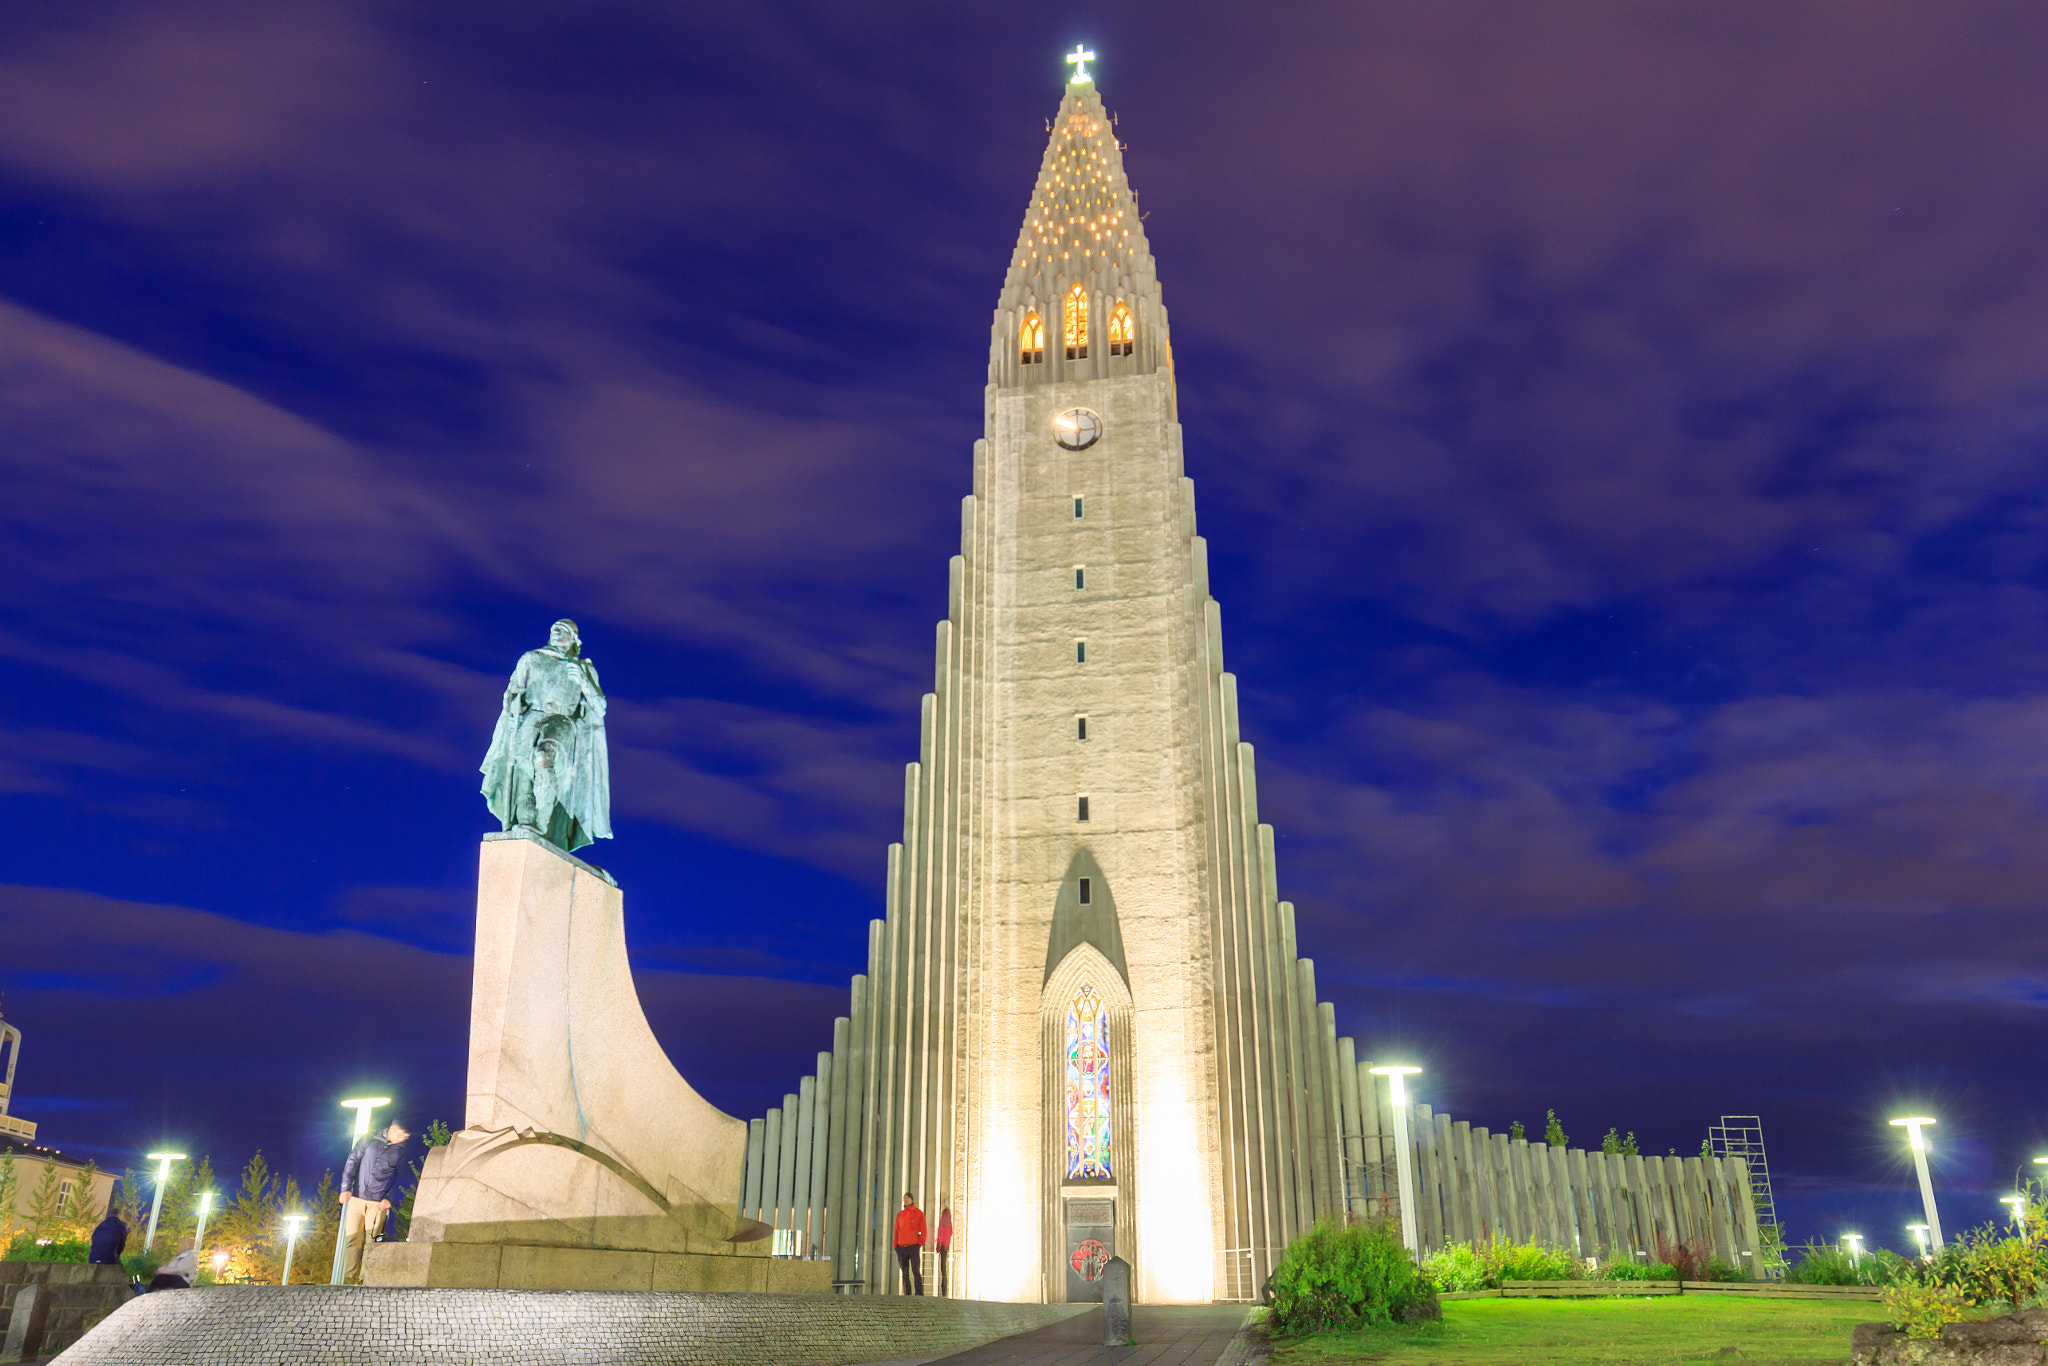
(548, 769)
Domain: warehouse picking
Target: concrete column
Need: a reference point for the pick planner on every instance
(1743, 1196)
(771, 1169)
(750, 1190)
(1591, 1244)
(1292, 1029)
(1561, 1192)
(835, 1187)
(1512, 1225)
(1333, 1102)
(1372, 1130)
(800, 1159)
(1603, 1204)
(1543, 1190)
(1683, 1217)
(785, 1165)
(1353, 1130)
(846, 1189)
(821, 1147)
(1429, 1219)
(1317, 1151)
(1488, 1189)
(1458, 1192)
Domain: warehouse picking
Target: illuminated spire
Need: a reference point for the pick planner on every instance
(1082, 228)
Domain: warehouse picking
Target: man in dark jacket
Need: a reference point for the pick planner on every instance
(368, 1181)
(109, 1240)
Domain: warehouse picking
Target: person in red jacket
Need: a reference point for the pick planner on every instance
(944, 1243)
(910, 1243)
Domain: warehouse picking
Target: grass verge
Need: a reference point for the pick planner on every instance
(1617, 1332)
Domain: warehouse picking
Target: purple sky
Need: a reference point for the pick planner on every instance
(1621, 431)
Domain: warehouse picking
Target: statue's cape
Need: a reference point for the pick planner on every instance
(589, 795)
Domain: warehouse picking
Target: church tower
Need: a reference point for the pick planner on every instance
(1084, 1030)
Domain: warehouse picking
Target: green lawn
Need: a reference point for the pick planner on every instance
(1621, 1332)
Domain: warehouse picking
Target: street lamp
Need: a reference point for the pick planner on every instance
(1852, 1239)
(1913, 1127)
(291, 1241)
(1919, 1232)
(1404, 1161)
(362, 1106)
(199, 1234)
(2019, 1207)
(163, 1173)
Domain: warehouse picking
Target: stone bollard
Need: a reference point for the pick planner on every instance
(1116, 1303)
(25, 1327)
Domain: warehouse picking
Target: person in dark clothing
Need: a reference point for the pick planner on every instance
(910, 1244)
(368, 1181)
(180, 1271)
(109, 1241)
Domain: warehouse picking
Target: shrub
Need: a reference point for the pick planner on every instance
(25, 1248)
(1922, 1309)
(1637, 1271)
(1535, 1262)
(1691, 1263)
(142, 1266)
(1344, 1276)
(1985, 1268)
(1458, 1266)
(1477, 1266)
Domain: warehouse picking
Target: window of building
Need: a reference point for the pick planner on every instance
(1080, 578)
(1084, 890)
(1080, 728)
(1123, 329)
(1084, 810)
(1080, 652)
(1032, 342)
(1077, 323)
(1077, 509)
(63, 1195)
(1087, 1087)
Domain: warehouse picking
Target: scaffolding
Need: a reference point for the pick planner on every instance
(1743, 1136)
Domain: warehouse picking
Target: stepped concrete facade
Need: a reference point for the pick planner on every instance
(1083, 921)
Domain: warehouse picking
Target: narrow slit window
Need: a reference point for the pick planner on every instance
(1123, 328)
(1080, 578)
(1080, 728)
(1076, 321)
(1077, 509)
(1031, 342)
(1080, 652)
(1083, 814)
(1084, 891)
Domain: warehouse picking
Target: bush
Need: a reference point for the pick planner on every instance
(1922, 1309)
(1479, 1266)
(1344, 1276)
(1636, 1271)
(1985, 1268)
(1828, 1264)
(25, 1248)
(142, 1266)
(1458, 1266)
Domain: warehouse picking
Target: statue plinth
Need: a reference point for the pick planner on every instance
(579, 1135)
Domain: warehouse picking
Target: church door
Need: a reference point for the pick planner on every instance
(1091, 1242)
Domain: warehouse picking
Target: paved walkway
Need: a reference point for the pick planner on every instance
(1167, 1335)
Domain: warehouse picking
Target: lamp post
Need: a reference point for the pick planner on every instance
(1404, 1161)
(1853, 1239)
(1913, 1127)
(1919, 1232)
(163, 1173)
(199, 1234)
(2018, 1204)
(362, 1106)
(291, 1242)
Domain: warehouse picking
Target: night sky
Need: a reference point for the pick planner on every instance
(1621, 433)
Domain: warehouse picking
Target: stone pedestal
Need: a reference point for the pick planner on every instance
(579, 1136)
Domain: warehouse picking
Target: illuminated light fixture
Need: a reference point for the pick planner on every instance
(1397, 1092)
(2019, 1207)
(1853, 1240)
(199, 1234)
(362, 1105)
(291, 1242)
(163, 1173)
(1919, 1232)
(1079, 59)
(1913, 1126)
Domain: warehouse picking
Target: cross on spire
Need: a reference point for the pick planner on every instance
(1079, 58)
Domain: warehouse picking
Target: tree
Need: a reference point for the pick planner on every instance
(45, 1205)
(1615, 1145)
(82, 1210)
(10, 1190)
(1515, 1130)
(1553, 1132)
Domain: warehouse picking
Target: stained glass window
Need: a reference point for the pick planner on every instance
(1087, 1087)
(1077, 323)
(1032, 340)
(1122, 329)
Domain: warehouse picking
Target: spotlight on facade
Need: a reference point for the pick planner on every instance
(163, 1173)
(1919, 1232)
(1404, 1158)
(1913, 1126)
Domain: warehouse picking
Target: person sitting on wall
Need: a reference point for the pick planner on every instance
(368, 1181)
(180, 1271)
(910, 1244)
(109, 1240)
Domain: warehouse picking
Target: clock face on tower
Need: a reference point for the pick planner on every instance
(1077, 429)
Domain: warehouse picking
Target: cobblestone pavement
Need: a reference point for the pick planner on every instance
(320, 1325)
(1167, 1335)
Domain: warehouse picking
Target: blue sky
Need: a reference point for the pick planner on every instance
(1619, 430)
